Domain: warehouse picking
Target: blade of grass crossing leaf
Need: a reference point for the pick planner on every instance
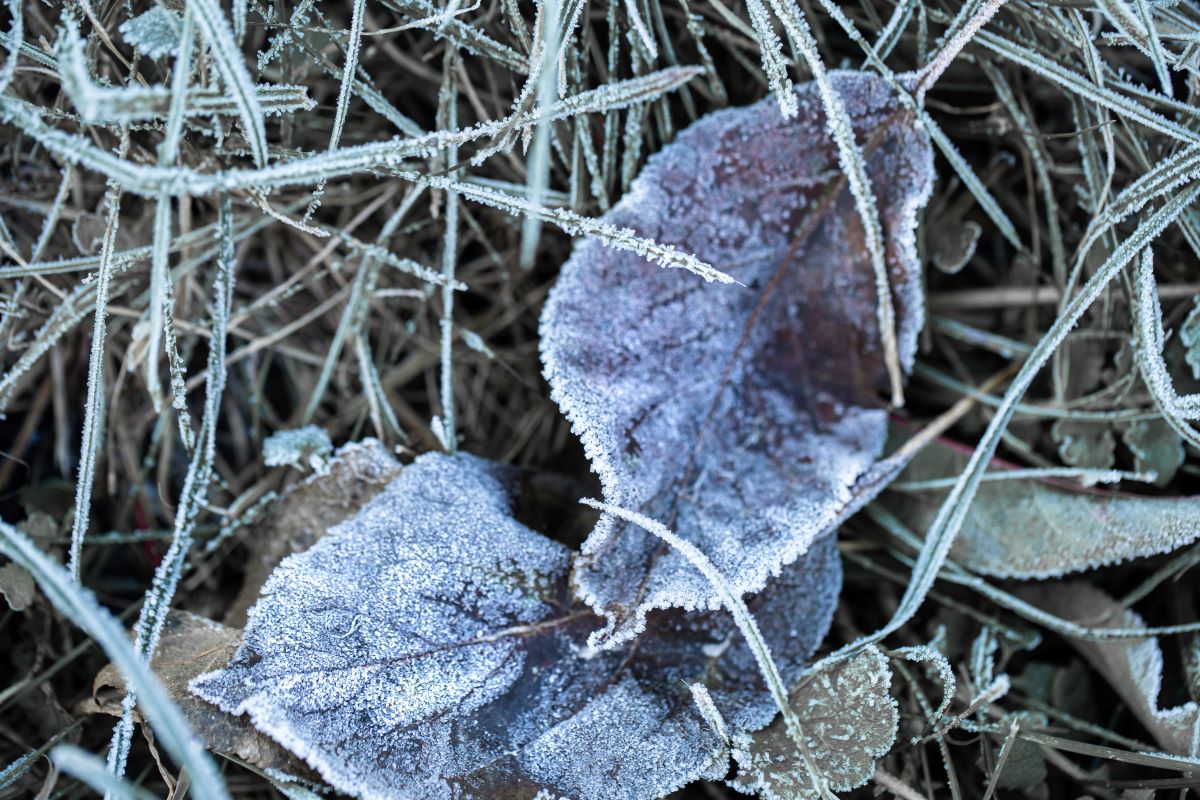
(953, 511)
(230, 64)
(855, 170)
(81, 607)
(577, 225)
(742, 617)
(448, 114)
(93, 420)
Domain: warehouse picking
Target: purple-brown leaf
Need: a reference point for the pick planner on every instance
(738, 415)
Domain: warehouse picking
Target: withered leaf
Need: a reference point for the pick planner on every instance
(429, 647)
(1044, 529)
(849, 719)
(1133, 667)
(192, 645)
(738, 415)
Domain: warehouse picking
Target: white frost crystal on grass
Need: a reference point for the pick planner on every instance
(739, 416)
(429, 648)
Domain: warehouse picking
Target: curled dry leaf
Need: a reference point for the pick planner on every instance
(850, 720)
(356, 473)
(738, 415)
(1133, 667)
(192, 645)
(429, 647)
(1040, 528)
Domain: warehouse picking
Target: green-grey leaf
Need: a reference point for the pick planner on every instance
(1088, 445)
(1044, 529)
(1156, 448)
(154, 33)
(1133, 667)
(850, 720)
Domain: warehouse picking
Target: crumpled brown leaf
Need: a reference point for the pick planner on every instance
(192, 645)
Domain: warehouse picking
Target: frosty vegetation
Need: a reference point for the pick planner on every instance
(281, 227)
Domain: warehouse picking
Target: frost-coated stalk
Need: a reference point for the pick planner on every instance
(954, 509)
(741, 617)
(448, 108)
(195, 485)
(162, 301)
(80, 606)
(1175, 410)
(546, 94)
(941, 61)
(345, 92)
(16, 38)
(854, 168)
(93, 414)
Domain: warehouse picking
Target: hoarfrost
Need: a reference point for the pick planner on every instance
(429, 647)
(1133, 667)
(740, 416)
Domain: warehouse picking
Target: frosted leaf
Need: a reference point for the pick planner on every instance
(17, 586)
(1133, 667)
(739, 416)
(1041, 528)
(429, 647)
(154, 33)
(308, 446)
(1087, 445)
(850, 719)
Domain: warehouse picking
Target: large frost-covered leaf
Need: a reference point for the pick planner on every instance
(1042, 529)
(429, 647)
(1133, 667)
(850, 720)
(738, 415)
